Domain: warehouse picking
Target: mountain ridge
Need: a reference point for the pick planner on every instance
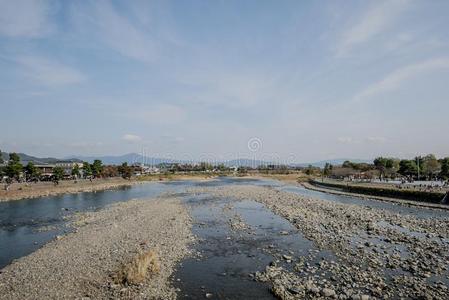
(131, 158)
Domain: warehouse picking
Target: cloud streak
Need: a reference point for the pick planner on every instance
(25, 18)
(49, 73)
(375, 21)
(104, 21)
(395, 79)
(132, 138)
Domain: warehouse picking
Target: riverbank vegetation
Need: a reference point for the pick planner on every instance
(420, 168)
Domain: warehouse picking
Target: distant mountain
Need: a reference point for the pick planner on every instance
(132, 158)
(25, 158)
(335, 162)
(129, 158)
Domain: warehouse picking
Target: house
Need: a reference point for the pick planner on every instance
(68, 166)
(46, 170)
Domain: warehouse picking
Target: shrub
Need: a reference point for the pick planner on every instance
(136, 271)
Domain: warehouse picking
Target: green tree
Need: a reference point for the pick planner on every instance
(87, 170)
(430, 166)
(386, 166)
(97, 168)
(408, 167)
(204, 166)
(327, 171)
(76, 171)
(222, 168)
(2, 169)
(14, 157)
(125, 171)
(14, 167)
(347, 164)
(58, 174)
(381, 164)
(242, 170)
(31, 171)
(444, 173)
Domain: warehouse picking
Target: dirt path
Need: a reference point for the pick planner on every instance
(86, 263)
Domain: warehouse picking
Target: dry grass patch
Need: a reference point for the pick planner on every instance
(136, 271)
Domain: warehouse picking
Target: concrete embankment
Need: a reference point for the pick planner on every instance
(410, 203)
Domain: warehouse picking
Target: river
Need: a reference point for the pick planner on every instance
(227, 258)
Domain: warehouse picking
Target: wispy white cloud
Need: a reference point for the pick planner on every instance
(103, 20)
(345, 140)
(83, 144)
(156, 114)
(375, 21)
(172, 139)
(395, 79)
(223, 87)
(49, 73)
(376, 139)
(131, 138)
(162, 114)
(25, 18)
(370, 139)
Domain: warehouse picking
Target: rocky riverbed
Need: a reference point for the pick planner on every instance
(88, 262)
(377, 253)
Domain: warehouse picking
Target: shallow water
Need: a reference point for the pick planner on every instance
(229, 258)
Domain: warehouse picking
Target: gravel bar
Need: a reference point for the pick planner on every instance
(82, 264)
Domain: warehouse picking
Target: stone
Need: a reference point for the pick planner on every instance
(326, 292)
(293, 291)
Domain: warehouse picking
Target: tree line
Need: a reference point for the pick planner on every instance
(14, 170)
(421, 167)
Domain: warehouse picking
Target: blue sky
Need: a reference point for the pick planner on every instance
(311, 80)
